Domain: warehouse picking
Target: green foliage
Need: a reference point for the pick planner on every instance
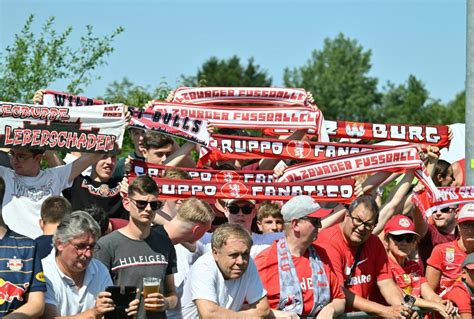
(215, 72)
(337, 76)
(457, 109)
(33, 62)
(128, 93)
(409, 103)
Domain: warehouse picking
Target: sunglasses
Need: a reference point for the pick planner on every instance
(142, 204)
(408, 238)
(447, 209)
(316, 222)
(246, 210)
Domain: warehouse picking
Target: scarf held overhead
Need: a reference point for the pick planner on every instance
(224, 147)
(218, 95)
(341, 191)
(205, 175)
(245, 117)
(395, 159)
(98, 128)
(190, 129)
(449, 196)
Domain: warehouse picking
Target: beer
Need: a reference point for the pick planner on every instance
(150, 285)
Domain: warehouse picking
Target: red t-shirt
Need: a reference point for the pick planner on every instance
(432, 239)
(372, 265)
(408, 278)
(460, 296)
(447, 258)
(267, 265)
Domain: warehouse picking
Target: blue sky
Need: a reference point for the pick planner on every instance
(164, 39)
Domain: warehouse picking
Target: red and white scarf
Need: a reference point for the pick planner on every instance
(437, 135)
(224, 147)
(246, 117)
(340, 191)
(190, 129)
(97, 128)
(206, 175)
(449, 196)
(56, 98)
(394, 159)
(219, 95)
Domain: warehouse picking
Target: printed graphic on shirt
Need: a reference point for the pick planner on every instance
(103, 190)
(31, 192)
(10, 291)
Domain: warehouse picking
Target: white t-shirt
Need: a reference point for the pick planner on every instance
(25, 194)
(260, 242)
(62, 292)
(205, 281)
(184, 260)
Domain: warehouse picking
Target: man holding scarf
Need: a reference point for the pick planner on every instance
(296, 274)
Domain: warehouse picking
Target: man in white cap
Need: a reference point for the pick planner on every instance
(444, 265)
(297, 274)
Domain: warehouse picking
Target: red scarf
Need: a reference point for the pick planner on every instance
(219, 95)
(224, 147)
(206, 175)
(449, 196)
(395, 159)
(426, 134)
(341, 191)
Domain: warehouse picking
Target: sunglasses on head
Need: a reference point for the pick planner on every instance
(142, 204)
(246, 210)
(408, 238)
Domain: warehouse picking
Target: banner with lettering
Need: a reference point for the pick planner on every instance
(437, 135)
(448, 196)
(206, 175)
(190, 129)
(224, 147)
(341, 191)
(235, 95)
(394, 159)
(245, 117)
(56, 98)
(97, 128)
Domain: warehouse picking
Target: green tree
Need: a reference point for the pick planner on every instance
(35, 61)
(128, 93)
(457, 109)
(337, 76)
(410, 103)
(231, 72)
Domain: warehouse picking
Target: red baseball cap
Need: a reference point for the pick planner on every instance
(466, 213)
(399, 225)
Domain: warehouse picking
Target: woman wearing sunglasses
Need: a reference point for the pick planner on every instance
(400, 240)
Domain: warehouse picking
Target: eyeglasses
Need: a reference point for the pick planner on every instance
(408, 238)
(142, 204)
(19, 157)
(82, 248)
(447, 209)
(316, 222)
(246, 210)
(356, 221)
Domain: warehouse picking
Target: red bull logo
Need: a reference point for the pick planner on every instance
(9, 291)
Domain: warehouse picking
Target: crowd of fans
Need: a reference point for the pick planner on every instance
(70, 234)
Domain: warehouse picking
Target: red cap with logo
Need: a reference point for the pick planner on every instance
(399, 225)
